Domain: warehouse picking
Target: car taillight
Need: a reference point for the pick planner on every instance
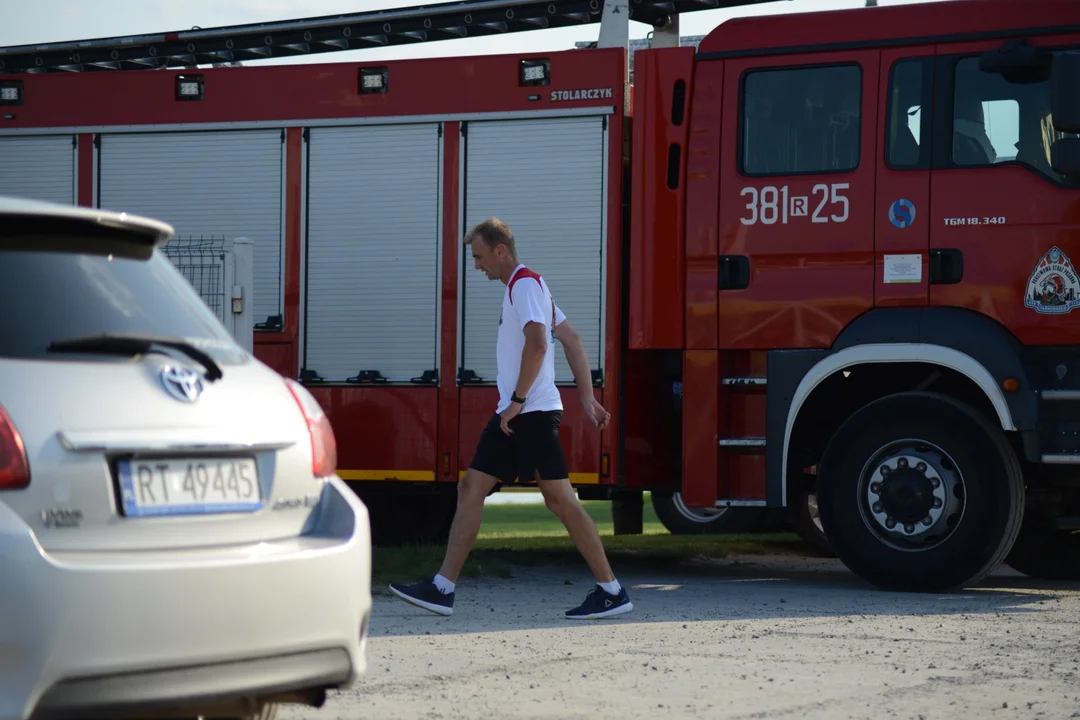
(323, 443)
(14, 465)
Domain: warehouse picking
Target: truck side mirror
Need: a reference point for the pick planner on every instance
(1065, 96)
(1018, 62)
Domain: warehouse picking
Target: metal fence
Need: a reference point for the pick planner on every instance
(222, 271)
(202, 262)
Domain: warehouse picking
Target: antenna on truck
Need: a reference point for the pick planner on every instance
(355, 31)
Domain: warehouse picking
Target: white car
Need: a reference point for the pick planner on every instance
(174, 538)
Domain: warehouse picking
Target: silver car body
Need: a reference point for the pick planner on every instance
(113, 594)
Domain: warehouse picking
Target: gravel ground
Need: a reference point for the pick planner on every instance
(773, 637)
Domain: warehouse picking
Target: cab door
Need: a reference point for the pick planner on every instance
(902, 207)
(796, 210)
(1009, 220)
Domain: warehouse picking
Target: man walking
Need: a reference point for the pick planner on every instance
(522, 438)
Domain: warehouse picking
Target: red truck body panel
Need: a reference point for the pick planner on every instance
(1008, 221)
(908, 25)
(809, 237)
(663, 80)
(702, 191)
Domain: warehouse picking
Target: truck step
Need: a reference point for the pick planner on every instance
(744, 442)
(745, 381)
(739, 502)
(1061, 458)
(1067, 522)
(1063, 395)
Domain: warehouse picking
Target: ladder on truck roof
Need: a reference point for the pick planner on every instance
(356, 31)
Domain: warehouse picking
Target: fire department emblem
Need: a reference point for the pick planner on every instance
(1054, 287)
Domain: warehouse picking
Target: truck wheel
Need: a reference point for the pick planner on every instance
(808, 526)
(682, 520)
(918, 492)
(1045, 553)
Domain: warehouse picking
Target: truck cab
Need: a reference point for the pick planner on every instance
(862, 237)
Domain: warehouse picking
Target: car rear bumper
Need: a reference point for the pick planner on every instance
(88, 632)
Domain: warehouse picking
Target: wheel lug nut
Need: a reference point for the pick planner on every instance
(885, 470)
(890, 523)
(902, 462)
(937, 502)
(877, 507)
(908, 527)
(928, 521)
(875, 488)
(935, 483)
(921, 467)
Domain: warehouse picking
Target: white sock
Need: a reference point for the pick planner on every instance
(612, 587)
(444, 585)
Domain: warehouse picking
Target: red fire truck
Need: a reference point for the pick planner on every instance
(827, 255)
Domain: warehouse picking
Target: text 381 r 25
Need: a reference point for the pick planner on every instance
(771, 204)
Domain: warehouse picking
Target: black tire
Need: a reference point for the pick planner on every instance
(1044, 553)
(960, 473)
(808, 526)
(681, 520)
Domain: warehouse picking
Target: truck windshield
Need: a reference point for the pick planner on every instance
(51, 296)
(996, 121)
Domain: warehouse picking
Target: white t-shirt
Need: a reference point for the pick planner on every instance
(527, 299)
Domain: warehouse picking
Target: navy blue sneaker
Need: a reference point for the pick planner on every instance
(601, 604)
(424, 594)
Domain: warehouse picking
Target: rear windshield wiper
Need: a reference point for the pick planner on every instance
(132, 344)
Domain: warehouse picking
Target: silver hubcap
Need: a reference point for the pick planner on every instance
(911, 495)
(698, 515)
(812, 511)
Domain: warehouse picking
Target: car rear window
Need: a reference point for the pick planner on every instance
(50, 296)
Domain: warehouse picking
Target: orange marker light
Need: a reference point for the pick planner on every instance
(1011, 384)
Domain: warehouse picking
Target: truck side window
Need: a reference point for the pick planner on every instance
(801, 120)
(995, 121)
(907, 130)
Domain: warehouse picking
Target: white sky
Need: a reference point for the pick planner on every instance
(24, 22)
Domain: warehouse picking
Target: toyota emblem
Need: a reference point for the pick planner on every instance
(183, 384)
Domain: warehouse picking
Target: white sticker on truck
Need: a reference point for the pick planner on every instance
(903, 269)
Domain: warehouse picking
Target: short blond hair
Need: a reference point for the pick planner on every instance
(492, 231)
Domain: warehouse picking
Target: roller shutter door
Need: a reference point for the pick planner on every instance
(372, 267)
(545, 179)
(205, 184)
(38, 167)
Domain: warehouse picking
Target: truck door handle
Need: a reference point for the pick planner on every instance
(946, 266)
(734, 272)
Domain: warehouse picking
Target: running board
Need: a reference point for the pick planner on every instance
(1061, 459)
(753, 442)
(739, 503)
(745, 381)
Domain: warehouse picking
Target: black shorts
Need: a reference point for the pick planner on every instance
(534, 447)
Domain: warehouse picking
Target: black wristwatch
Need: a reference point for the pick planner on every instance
(518, 400)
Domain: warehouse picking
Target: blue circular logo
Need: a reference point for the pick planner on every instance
(902, 213)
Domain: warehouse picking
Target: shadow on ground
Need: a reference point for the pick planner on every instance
(778, 586)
